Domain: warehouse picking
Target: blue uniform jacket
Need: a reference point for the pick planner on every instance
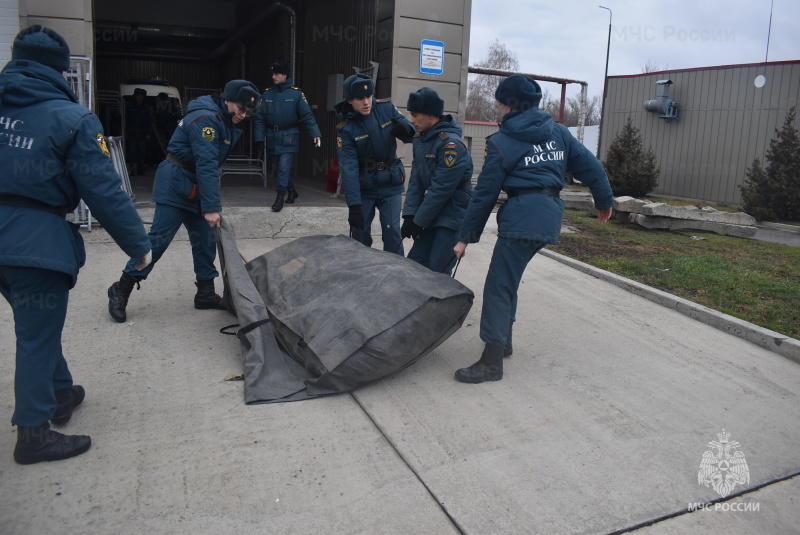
(531, 151)
(439, 189)
(361, 142)
(282, 105)
(52, 150)
(204, 138)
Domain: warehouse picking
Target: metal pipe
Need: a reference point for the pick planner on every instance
(253, 24)
(605, 85)
(495, 72)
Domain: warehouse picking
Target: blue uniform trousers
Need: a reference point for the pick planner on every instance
(509, 260)
(138, 148)
(283, 168)
(166, 222)
(389, 209)
(434, 249)
(38, 298)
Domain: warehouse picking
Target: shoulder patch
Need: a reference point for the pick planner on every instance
(450, 156)
(342, 124)
(339, 142)
(101, 142)
(208, 133)
(444, 135)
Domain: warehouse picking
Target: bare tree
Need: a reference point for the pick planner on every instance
(481, 105)
(652, 66)
(549, 104)
(572, 110)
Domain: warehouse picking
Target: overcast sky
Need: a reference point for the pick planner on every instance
(568, 38)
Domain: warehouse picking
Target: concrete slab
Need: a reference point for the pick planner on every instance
(599, 425)
(602, 418)
(772, 509)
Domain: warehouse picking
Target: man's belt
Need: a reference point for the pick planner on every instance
(171, 158)
(372, 165)
(287, 127)
(27, 202)
(516, 192)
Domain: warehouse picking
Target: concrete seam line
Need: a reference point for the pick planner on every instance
(766, 338)
(432, 494)
(728, 498)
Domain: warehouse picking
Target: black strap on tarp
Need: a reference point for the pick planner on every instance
(244, 330)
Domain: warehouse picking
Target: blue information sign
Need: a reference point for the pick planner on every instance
(431, 57)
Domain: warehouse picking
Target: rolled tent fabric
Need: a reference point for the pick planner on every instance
(324, 314)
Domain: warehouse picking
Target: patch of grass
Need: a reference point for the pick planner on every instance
(752, 280)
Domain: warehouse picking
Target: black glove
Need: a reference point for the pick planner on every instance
(409, 229)
(356, 217)
(402, 130)
(259, 149)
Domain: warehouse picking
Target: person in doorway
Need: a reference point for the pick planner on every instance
(52, 154)
(186, 191)
(139, 125)
(278, 124)
(527, 159)
(371, 172)
(167, 116)
(440, 187)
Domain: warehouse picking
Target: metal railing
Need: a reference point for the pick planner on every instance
(82, 215)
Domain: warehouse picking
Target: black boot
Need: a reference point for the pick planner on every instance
(292, 195)
(509, 349)
(118, 294)
(67, 399)
(37, 444)
(488, 368)
(278, 206)
(206, 298)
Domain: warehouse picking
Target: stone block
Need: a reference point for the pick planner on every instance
(628, 204)
(698, 214)
(579, 201)
(724, 229)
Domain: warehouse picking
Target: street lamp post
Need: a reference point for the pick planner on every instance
(605, 85)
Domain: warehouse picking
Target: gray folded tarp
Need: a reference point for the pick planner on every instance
(324, 314)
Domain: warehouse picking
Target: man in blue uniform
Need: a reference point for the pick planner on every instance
(139, 124)
(440, 186)
(186, 191)
(277, 122)
(371, 172)
(527, 159)
(52, 154)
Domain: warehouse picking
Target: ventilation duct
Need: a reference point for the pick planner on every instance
(666, 108)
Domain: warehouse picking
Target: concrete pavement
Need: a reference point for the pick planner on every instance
(599, 425)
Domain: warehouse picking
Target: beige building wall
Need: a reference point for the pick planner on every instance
(402, 25)
(9, 28)
(71, 18)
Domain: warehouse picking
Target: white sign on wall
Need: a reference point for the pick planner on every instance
(431, 57)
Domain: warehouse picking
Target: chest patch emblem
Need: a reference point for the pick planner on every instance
(208, 133)
(101, 142)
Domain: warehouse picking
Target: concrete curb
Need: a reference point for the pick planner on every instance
(779, 226)
(771, 340)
